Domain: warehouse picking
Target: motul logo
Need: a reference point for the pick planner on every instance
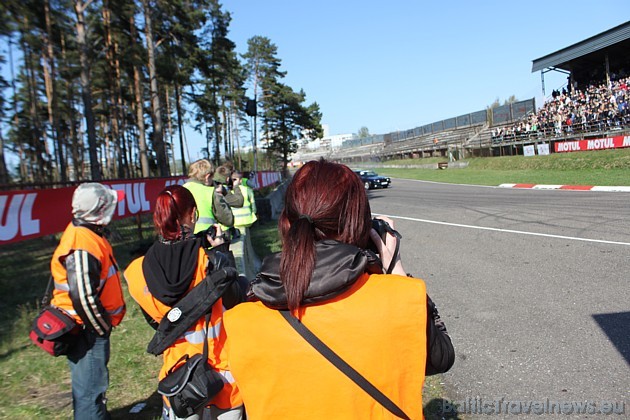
(17, 216)
(607, 143)
(569, 146)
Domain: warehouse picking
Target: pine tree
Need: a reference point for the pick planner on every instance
(262, 68)
(286, 119)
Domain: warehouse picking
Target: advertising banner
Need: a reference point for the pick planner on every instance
(29, 214)
(593, 144)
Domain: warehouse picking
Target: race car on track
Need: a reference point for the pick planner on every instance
(373, 180)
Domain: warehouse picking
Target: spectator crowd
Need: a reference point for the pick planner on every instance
(598, 107)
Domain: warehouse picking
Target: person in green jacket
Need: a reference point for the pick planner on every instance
(244, 217)
(214, 204)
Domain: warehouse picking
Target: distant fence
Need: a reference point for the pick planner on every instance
(513, 112)
(466, 120)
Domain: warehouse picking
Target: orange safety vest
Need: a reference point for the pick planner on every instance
(191, 342)
(378, 327)
(109, 290)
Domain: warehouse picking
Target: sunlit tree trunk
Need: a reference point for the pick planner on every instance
(16, 119)
(137, 89)
(76, 146)
(51, 93)
(169, 120)
(86, 89)
(38, 163)
(235, 134)
(180, 128)
(123, 163)
(156, 112)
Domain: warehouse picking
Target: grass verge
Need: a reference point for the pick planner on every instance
(604, 167)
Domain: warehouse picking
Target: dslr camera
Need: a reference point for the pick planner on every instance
(382, 228)
(212, 233)
(221, 187)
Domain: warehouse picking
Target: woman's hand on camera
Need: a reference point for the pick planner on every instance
(216, 239)
(386, 250)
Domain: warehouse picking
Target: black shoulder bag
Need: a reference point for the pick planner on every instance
(344, 367)
(193, 384)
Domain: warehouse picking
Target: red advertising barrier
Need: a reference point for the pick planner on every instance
(594, 144)
(264, 179)
(29, 214)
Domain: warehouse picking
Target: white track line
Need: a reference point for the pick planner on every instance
(572, 238)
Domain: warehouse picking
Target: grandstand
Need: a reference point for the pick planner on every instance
(601, 60)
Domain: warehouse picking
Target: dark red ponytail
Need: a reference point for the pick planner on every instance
(325, 200)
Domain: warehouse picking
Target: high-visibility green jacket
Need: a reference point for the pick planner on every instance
(203, 195)
(245, 216)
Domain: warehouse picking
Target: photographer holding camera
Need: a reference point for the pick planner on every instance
(326, 292)
(172, 269)
(213, 202)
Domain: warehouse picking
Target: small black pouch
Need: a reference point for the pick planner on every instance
(191, 385)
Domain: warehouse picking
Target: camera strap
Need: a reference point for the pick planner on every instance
(398, 237)
(342, 365)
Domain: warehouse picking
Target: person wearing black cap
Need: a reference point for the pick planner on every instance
(87, 287)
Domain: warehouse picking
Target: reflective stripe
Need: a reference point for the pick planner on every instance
(196, 337)
(206, 220)
(244, 216)
(62, 287)
(87, 294)
(227, 376)
(112, 271)
(116, 311)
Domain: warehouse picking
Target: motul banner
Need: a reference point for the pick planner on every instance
(264, 179)
(29, 214)
(594, 144)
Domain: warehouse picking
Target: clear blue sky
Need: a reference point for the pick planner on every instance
(405, 63)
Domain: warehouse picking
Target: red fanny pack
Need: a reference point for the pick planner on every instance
(54, 331)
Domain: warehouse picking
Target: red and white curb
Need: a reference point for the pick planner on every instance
(566, 187)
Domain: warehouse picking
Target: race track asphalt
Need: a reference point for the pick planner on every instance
(534, 287)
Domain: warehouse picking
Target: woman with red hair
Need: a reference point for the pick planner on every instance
(383, 326)
(176, 263)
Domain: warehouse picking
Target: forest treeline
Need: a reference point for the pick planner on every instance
(102, 89)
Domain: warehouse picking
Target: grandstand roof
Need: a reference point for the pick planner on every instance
(589, 52)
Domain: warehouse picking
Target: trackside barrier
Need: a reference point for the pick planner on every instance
(27, 214)
(30, 214)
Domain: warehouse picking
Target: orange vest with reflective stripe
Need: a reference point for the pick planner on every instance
(378, 327)
(191, 342)
(109, 290)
